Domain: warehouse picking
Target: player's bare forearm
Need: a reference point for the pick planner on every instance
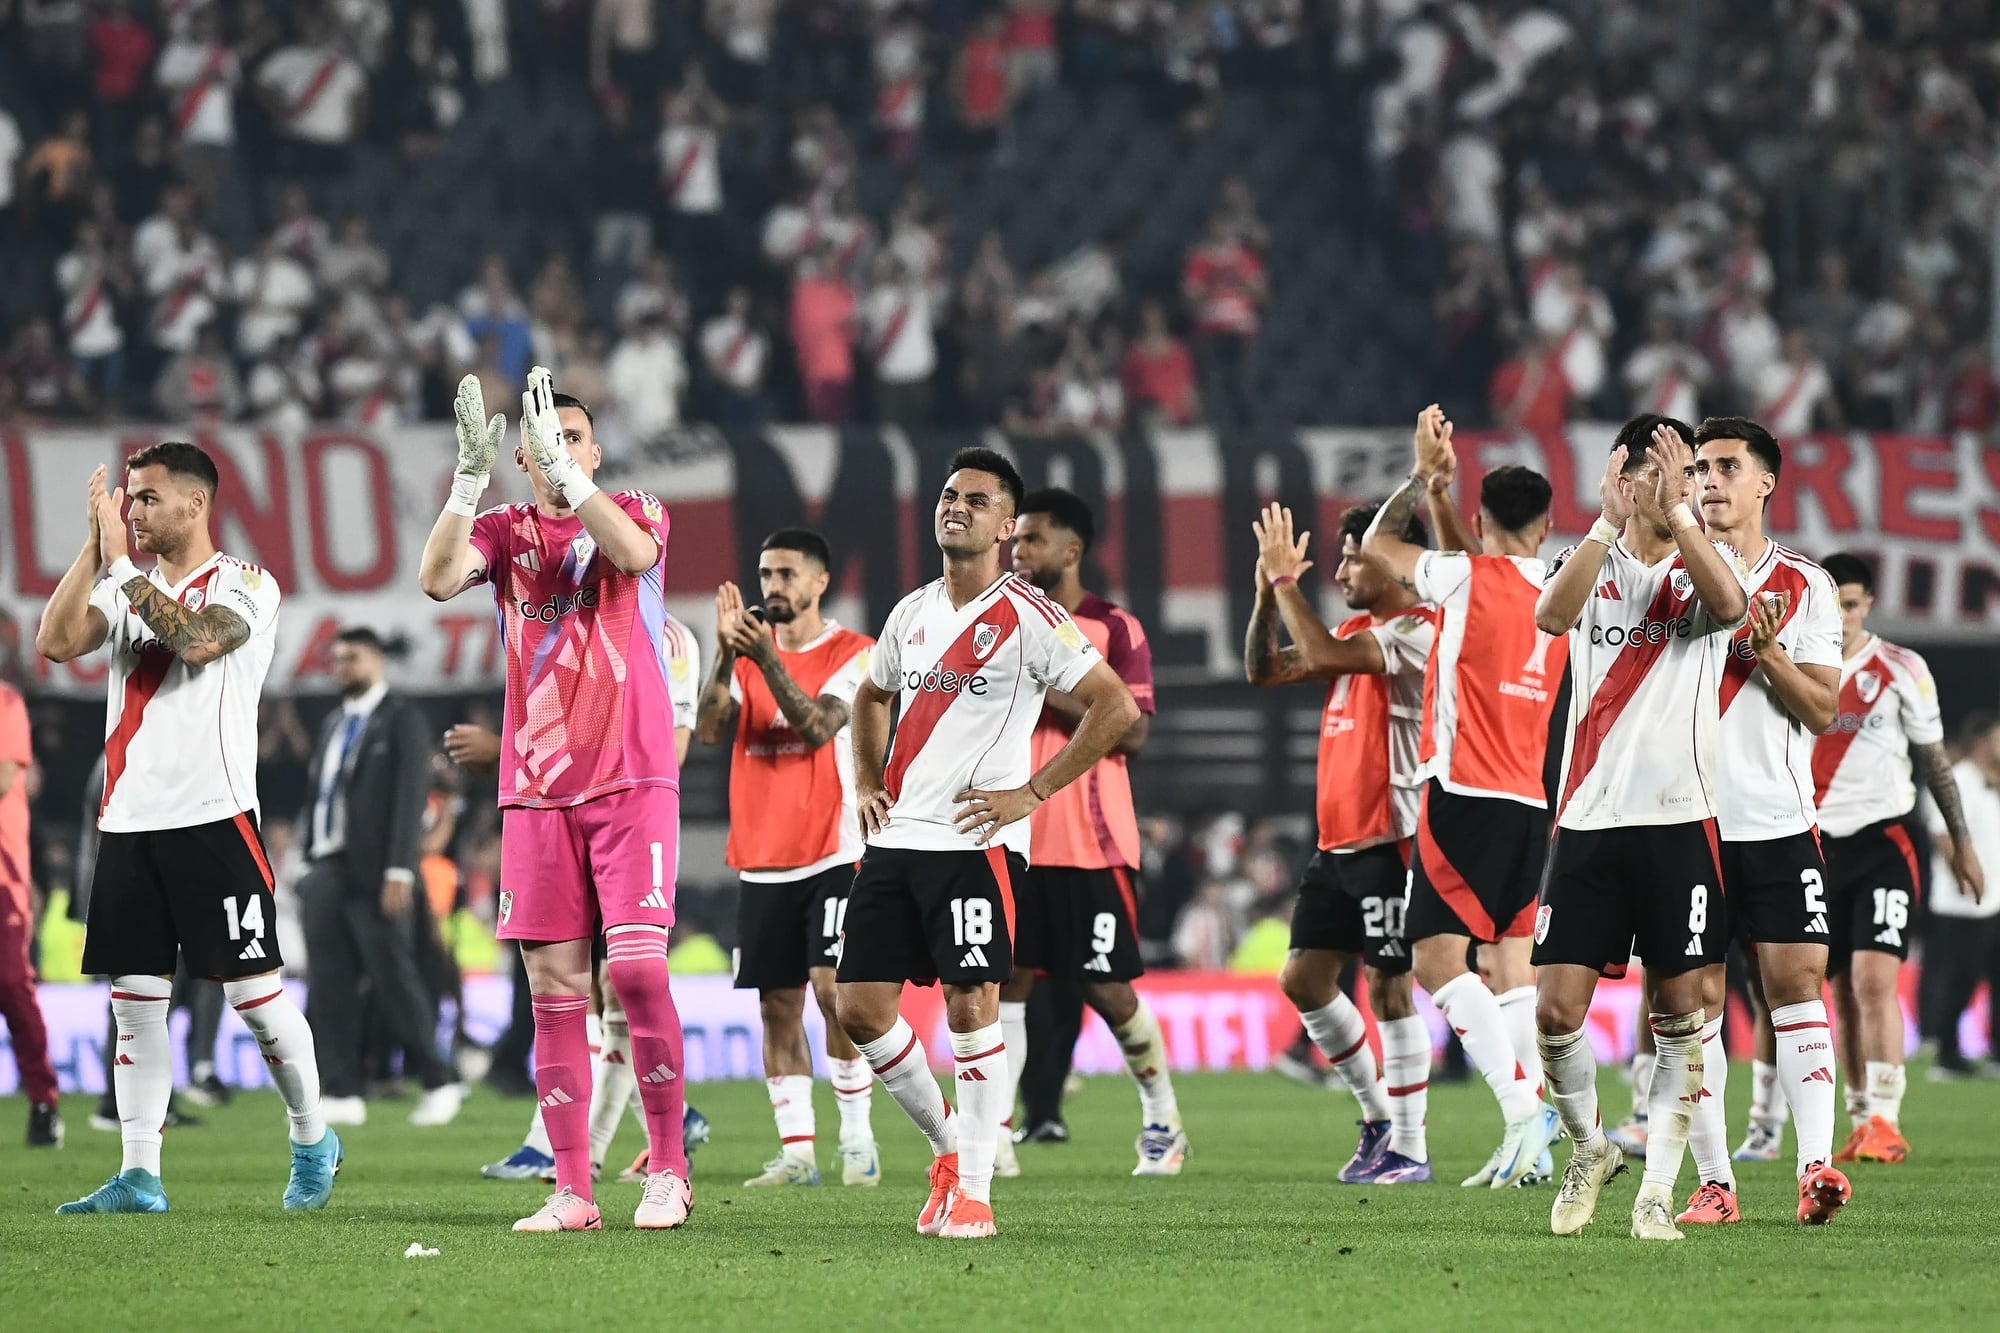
(450, 564)
(1394, 515)
(1716, 586)
(1109, 711)
(629, 547)
(1935, 767)
(1566, 593)
(1264, 662)
(870, 736)
(71, 626)
(196, 637)
(1324, 655)
(814, 721)
(683, 741)
(716, 715)
(1810, 694)
(1448, 523)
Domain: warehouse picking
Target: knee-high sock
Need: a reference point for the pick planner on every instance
(286, 1040)
(1708, 1128)
(898, 1059)
(1805, 1068)
(142, 1072)
(1145, 1053)
(1767, 1106)
(1676, 1087)
(538, 1134)
(1475, 1016)
(1014, 1031)
(1642, 1085)
(1886, 1083)
(1517, 1007)
(636, 960)
(792, 1109)
(1342, 1037)
(981, 1060)
(1855, 1096)
(562, 1085)
(611, 1082)
(1406, 1070)
(1569, 1070)
(853, 1089)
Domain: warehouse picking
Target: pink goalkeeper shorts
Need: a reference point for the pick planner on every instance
(567, 874)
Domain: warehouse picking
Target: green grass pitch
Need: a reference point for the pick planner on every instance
(1254, 1235)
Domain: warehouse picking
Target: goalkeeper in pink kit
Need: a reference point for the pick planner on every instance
(589, 784)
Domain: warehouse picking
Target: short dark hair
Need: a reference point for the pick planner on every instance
(1066, 509)
(1845, 568)
(571, 400)
(803, 540)
(362, 635)
(1977, 724)
(1763, 445)
(1354, 523)
(980, 459)
(180, 459)
(1515, 496)
(1636, 436)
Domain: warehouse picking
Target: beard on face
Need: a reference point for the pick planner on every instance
(779, 611)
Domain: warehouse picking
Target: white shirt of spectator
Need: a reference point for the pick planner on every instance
(89, 322)
(790, 232)
(318, 84)
(1888, 703)
(202, 79)
(282, 402)
(1472, 171)
(734, 352)
(1750, 341)
(11, 147)
(690, 172)
(744, 26)
(1086, 280)
(1788, 395)
(189, 733)
(1883, 335)
(647, 376)
(1577, 320)
(1981, 799)
(897, 317)
(1656, 756)
(1764, 777)
(272, 296)
(971, 680)
(185, 282)
(1663, 379)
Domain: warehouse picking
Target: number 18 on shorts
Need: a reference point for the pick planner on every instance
(931, 915)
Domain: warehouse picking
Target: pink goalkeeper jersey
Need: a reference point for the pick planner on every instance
(589, 710)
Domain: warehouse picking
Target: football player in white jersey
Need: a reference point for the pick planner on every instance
(1886, 730)
(970, 657)
(1649, 604)
(181, 869)
(1778, 690)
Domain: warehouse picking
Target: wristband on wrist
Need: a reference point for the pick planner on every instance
(1284, 578)
(124, 571)
(1680, 518)
(1032, 792)
(1604, 531)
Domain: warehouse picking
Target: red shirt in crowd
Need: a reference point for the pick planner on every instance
(1530, 392)
(1161, 377)
(121, 51)
(1223, 280)
(982, 81)
(1975, 400)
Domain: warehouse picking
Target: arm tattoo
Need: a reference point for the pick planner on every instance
(1394, 515)
(210, 632)
(716, 713)
(815, 720)
(1263, 661)
(1935, 765)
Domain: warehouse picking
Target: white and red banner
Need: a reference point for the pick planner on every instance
(339, 518)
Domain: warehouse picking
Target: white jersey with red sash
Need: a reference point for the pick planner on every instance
(1861, 764)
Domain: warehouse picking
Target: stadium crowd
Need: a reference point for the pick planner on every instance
(1599, 230)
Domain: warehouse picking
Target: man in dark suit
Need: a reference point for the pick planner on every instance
(363, 829)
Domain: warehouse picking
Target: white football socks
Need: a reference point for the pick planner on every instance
(1805, 1067)
(898, 1059)
(1708, 1128)
(1406, 1074)
(142, 1073)
(1146, 1061)
(1767, 1106)
(1340, 1033)
(1885, 1091)
(792, 1108)
(612, 1082)
(286, 1040)
(981, 1067)
(1475, 1016)
(1676, 1086)
(1569, 1069)
(1517, 1007)
(1642, 1085)
(852, 1093)
(1014, 1031)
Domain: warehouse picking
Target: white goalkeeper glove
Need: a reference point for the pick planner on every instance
(478, 445)
(541, 428)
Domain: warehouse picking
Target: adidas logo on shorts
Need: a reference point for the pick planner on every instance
(655, 900)
(255, 950)
(974, 957)
(1098, 964)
